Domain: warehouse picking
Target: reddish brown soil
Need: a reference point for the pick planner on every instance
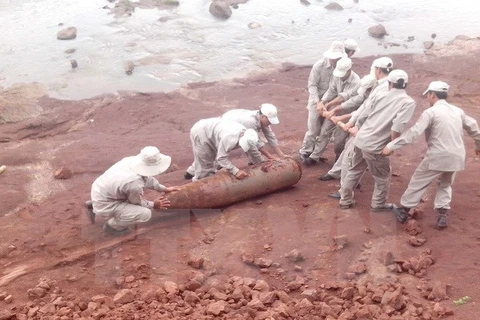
(45, 221)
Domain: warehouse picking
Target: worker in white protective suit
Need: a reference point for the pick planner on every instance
(212, 139)
(443, 125)
(260, 121)
(117, 195)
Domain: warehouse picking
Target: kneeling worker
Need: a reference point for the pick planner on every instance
(117, 195)
(212, 139)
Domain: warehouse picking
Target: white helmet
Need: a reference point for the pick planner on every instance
(270, 111)
(249, 139)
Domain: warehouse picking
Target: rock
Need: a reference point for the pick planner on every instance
(191, 297)
(170, 287)
(340, 241)
(410, 38)
(3, 168)
(267, 298)
(416, 241)
(350, 20)
(129, 279)
(196, 262)
(49, 308)
(294, 256)
(347, 293)
(63, 173)
(428, 44)
(358, 268)
(36, 293)
(129, 66)
(298, 268)
(261, 285)
(434, 35)
(305, 303)
(377, 31)
(248, 258)
(387, 258)
(217, 295)
(3, 295)
(413, 227)
(333, 6)
(70, 51)
(220, 9)
(32, 312)
(124, 296)
(257, 305)
(67, 34)
(310, 294)
(7, 315)
(73, 63)
(439, 292)
(119, 281)
(216, 308)
(8, 299)
(263, 263)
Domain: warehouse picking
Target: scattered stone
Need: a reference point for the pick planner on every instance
(305, 2)
(36, 293)
(220, 9)
(170, 287)
(247, 258)
(394, 44)
(129, 279)
(74, 63)
(298, 268)
(70, 51)
(294, 256)
(310, 294)
(216, 308)
(67, 34)
(7, 315)
(377, 31)
(350, 20)
(416, 241)
(8, 299)
(124, 296)
(258, 202)
(261, 285)
(334, 6)
(358, 268)
(439, 292)
(428, 44)
(63, 173)
(340, 241)
(434, 35)
(263, 263)
(3, 295)
(387, 258)
(267, 247)
(367, 230)
(196, 262)
(267, 298)
(413, 227)
(119, 281)
(129, 66)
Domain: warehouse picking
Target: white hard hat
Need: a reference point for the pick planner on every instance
(270, 111)
(396, 75)
(150, 162)
(343, 65)
(437, 86)
(351, 44)
(336, 51)
(249, 139)
(367, 82)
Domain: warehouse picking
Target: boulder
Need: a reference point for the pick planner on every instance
(333, 6)
(67, 33)
(220, 9)
(377, 31)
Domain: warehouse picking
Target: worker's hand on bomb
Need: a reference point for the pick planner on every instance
(387, 152)
(161, 203)
(171, 189)
(241, 175)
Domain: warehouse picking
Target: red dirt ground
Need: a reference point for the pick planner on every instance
(45, 232)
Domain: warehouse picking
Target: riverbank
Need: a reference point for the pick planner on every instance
(46, 234)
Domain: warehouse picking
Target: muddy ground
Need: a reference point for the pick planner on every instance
(45, 232)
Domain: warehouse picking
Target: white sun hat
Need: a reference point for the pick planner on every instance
(270, 111)
(396, 75)
(367, 82)
(437, 86)
(343, 65)
(336, 51)
(351, 44)
(383, 62)
(249, 139)
(150, 162)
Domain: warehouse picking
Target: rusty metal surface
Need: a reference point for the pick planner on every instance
(223, 189)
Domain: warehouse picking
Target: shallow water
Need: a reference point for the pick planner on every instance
(194, 46)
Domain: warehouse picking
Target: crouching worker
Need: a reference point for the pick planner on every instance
(212, 139)
(117, 195)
